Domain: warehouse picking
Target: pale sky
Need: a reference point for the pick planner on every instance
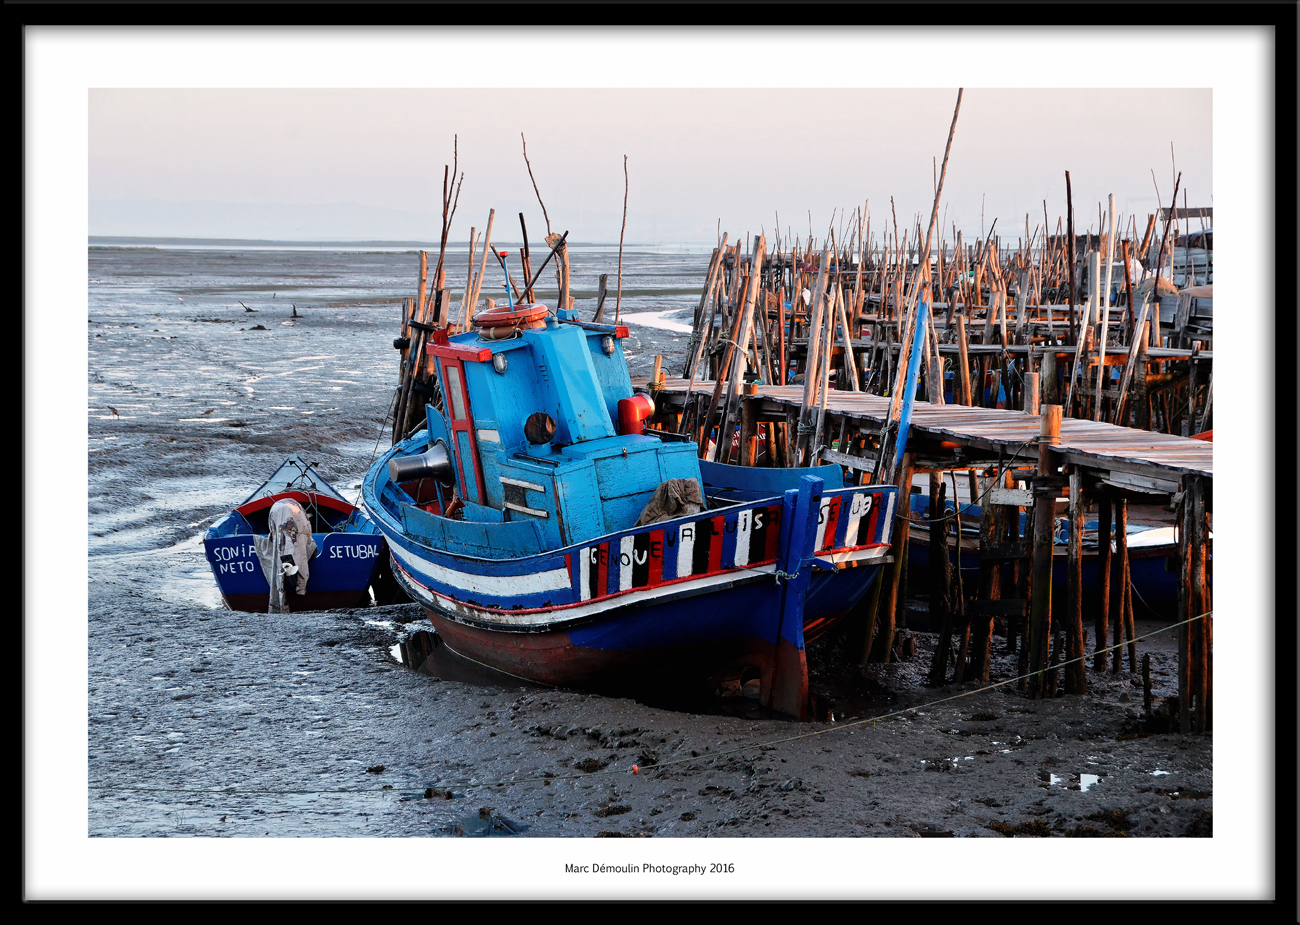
(368, 163)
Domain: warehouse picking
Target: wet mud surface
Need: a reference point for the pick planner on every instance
(205, 722)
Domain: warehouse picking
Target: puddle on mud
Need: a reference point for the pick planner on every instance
(485, 823)
(1080, 782)
(192, 587)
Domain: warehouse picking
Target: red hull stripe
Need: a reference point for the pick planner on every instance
(833, 522)
(715, 543)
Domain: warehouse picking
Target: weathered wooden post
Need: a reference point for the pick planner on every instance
(1194, 636)
(1102, 626)
(1030, 401)
(1205, 607)
(1186, 607)
(963, 353)
(990, 584)
(1045, 489)
(940, 580)
(898, 548)
(1121, 595)
(749, 425)
(1076, 675)
(1047, 370)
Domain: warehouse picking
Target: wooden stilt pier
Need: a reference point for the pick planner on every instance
(1069, 465)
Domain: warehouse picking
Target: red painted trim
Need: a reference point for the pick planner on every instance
(832, 521)
(462, 354)
(252, 507)
(621, 331)
(656, 553)
(842, 549)
(773, 535)
(716, 542)
(467, 426)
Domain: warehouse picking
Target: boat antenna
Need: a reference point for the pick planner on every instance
(509, 284)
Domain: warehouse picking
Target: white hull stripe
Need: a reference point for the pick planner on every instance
(744, 529)
(588, 560)
(823, 517)
(685, 549)
(859, 506)
(561, 615)
(505, 586)
(627, 553)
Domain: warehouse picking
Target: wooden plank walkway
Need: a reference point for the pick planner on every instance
(1095, 445)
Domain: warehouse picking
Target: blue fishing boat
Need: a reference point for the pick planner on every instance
(294, 544)
(549, 536)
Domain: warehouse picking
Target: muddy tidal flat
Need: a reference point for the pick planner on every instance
(209, 366)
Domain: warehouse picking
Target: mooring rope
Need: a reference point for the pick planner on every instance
(635, 769)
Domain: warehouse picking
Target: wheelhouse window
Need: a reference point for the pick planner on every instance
(455, 393)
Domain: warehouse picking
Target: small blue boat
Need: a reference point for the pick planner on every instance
(298, 536)
(548, 536)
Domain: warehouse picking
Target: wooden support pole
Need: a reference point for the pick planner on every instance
(1121, 596)
(749, 425)
(1205, 612)
(885, 619)
(1040, 623)
(1199, 596)
(1050, 392)
(1076, 675)
(1029, 400)
(940, 580)
(424, 282)
(602, 290)
(1186, 608)
(990, 586)
(812, 374)
(962, 351)
(1101, 628)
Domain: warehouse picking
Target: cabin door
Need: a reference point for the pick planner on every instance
(460, 421)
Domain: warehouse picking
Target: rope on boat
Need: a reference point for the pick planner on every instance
(636, 769)
(383, 425)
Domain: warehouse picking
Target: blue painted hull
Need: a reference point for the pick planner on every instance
(340, 574)
(349, 550)
(676, 602)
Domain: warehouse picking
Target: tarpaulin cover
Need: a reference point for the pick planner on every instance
(286, 551)
(673, 498)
